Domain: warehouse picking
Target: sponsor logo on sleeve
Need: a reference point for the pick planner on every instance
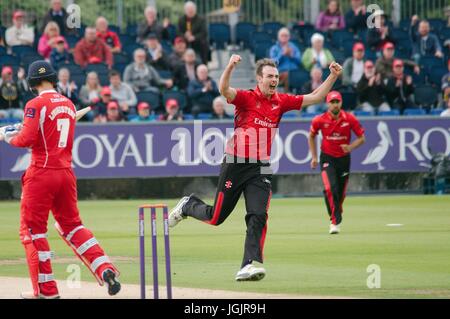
(30, 112)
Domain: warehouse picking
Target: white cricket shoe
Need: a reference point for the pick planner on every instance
(176, 214)
(334, 229)
(250, 273)
(31, 295)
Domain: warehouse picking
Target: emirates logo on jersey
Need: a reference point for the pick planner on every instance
(275, 106)
(228, 184)
(326, 125)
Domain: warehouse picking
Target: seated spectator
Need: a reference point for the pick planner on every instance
(424, 42)
(173, 112)
(446, 83)
(179, 48)
(59, 54)
(399, 88)
(446, 112)
(378, 36)
(186, 72)
(10, 94)
(110, 37)
(370, 90)
(99, 105)
(145, 113)
(113, 114)
(202, 91)
(194, 29)
(310, 86)
(49, 38)
(151, 25)
(317, 54)
(353, 67)
(219, 109)
(156, 56)
(90, 92)
(286, 55)
(65, 87)
(123, 93)
(19, 33)
(91, 49)
(384, 63)
(58, 14)
(331, 19)
(143, 77)
(356, 17)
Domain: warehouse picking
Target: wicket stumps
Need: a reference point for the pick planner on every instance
(154, 249)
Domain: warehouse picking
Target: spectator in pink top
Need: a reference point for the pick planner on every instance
(49, 38)
(331, 19)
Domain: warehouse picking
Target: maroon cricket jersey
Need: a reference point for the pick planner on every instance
(336, 132)
(256, 120)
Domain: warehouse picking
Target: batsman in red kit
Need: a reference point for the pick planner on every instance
(246, 167)
(49, 184)
(336, 126)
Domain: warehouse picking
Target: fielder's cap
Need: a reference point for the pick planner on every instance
(334, 95)
(105, 91)
(18, 14)
(397, 62)
(7, 70)
(368, 64)
(388, 45)
(179, 40)
(358, 46)
(143, 106)
(59, 39)
(112, 105)
(171, 103)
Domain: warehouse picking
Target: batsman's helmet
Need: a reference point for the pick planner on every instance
(39, 71)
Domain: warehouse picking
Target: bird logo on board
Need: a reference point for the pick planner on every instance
(42, 70)
(228, 184)
(379, 152)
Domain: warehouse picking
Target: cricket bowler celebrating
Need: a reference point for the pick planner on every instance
(245, 168)
(50, 184)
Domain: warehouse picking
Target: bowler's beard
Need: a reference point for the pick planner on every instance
(336, 111)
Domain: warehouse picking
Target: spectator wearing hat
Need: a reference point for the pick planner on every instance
(145, 113)
(317, 54)
(370, 90)
(143, 77)
(425, 43)
(353, 67)
(311, 85)
(179, 48)
(286, 55)
(151, 25)
(91, 49)
(123, 93)
(356, 17)
(383, 65)
(173, 112)
(10, 94)
(156, 56)
(378, 35)
(90, 92)
(59, 55)
(330, 19)
(48, 40)
(399, 87)
(19, 33)
(184, 73)
(113, 114)
(202, 91)
(109, 37)
(194, 29)
(99, 106)
(58, 14)
(219, 109)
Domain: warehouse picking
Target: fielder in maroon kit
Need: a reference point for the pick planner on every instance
(246, 167)
(336, 126)
(50, 184)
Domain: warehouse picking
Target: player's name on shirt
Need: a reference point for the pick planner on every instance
(62, 110)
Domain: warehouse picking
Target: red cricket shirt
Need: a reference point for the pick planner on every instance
(256, 120)
(48, 129)
(336, 132)
(111, 38)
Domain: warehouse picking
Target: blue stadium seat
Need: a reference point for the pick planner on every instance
(362, 37)
(349, 100)
(9, 60)
(177, 95)
(309, 115)
(414, 112)
(29, 58)
(262, 49)
(20, 50)
(436, 25)
(272, 28)
(72, 40)
(219, 35)
(188, 117)
(444, 34)
(259, 37)
(204, 116)
(362, 113)
(339, 56)
(297, 78)
(244, 32)
(103, 79)
(339, 37)
(172, 30)
(430, 62)
(405, 24)
(79, 79)
(389, 113)
(131, 30)
(114, 28)
(99, 68)
(120, 67)
(2, 50)
(165, 74)
(129, 49)
(418, 79)
(167, 47)
(150, 97)
(126, 39)
(370, 55)
(435, 75)
(399, 34)
(425, 95)
(74, 69)
(290, 115)
(437, 111)
(121, 58)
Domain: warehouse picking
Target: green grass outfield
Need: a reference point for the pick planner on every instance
(300, 256)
